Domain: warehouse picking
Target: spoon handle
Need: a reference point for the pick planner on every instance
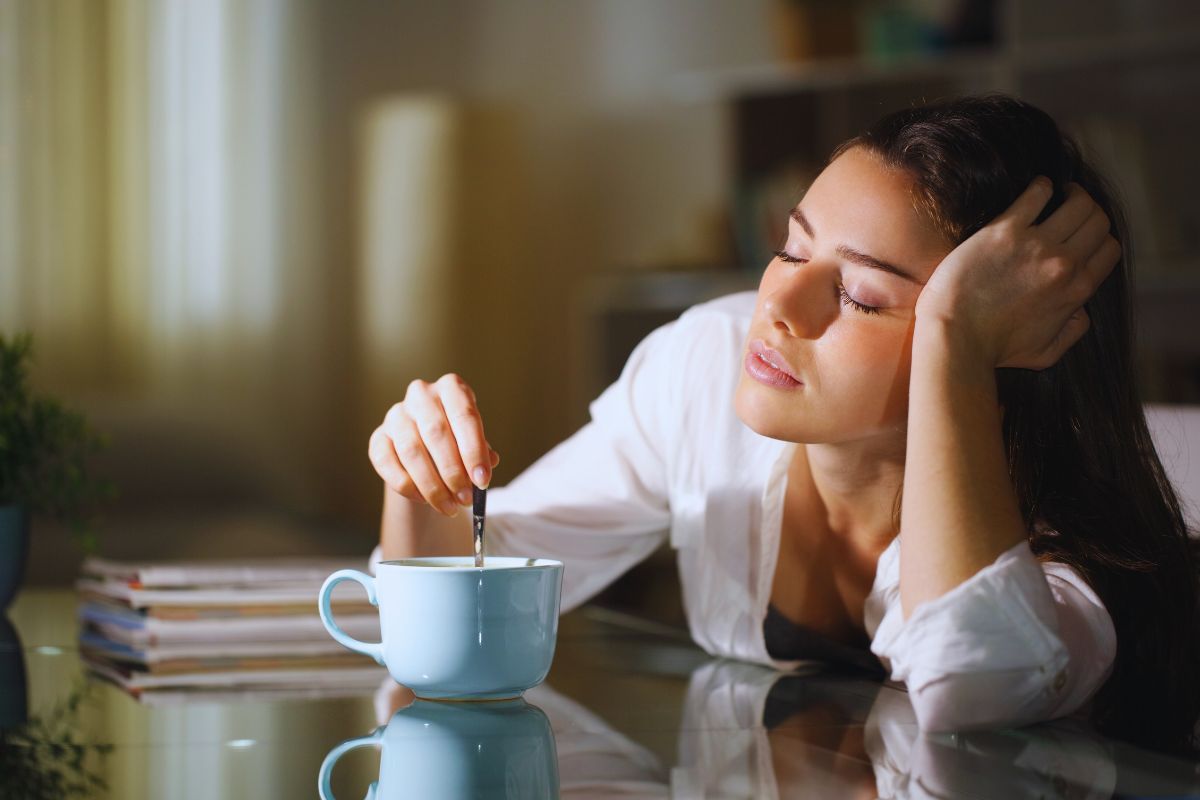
(479, 497)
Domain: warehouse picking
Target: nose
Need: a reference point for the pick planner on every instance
(800, 302)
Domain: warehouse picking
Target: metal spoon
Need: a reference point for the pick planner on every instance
(479, 499)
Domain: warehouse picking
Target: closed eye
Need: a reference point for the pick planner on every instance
(782, 255)
(848, 300)
(843, 295)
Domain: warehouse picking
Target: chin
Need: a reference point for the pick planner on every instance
(763, 414)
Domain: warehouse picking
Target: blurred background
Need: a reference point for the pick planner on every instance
(239, 228)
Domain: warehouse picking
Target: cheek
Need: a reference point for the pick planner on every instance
(867, 367)
(866, 348)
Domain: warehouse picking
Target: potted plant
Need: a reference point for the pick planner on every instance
(48, 756)
(44, 454)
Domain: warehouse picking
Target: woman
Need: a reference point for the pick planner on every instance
(943, 339)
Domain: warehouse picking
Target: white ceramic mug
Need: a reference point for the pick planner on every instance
(454, 630)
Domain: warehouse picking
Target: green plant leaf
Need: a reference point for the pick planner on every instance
(45, 448)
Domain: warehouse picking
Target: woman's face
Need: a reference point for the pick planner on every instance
(852, 365)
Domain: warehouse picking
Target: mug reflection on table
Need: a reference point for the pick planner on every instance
(503, 749)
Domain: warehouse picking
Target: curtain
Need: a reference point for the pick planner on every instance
(158, 222)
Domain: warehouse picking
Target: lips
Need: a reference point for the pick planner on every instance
(759, 348)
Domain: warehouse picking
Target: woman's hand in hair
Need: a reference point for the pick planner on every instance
(1015, 290)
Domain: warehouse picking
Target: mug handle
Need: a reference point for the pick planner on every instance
(327, 765)
(372, 649)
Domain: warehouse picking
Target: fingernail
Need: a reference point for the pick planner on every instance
(481, 477)
(448, 508)
(465, 498)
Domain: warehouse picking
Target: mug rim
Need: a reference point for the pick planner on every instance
(451, 564)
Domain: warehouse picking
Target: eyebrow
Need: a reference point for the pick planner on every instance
(855, 256)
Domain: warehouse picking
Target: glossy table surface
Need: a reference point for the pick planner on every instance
(629, 710)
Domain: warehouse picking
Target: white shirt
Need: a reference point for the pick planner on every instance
(665, 455)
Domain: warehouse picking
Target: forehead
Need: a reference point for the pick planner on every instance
(860, 201)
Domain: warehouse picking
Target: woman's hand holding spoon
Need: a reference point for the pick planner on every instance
(431, 446)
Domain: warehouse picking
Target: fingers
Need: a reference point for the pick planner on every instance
(427, 443)
(1089, 237)
(1077, 325)
(1102, 261)
(1080, 231)
(1066, 220)
(1025, 209)
(416, 460)
(1070, 333)
(1085, 233)
(1094, 250)
(424, 405)
(387, 464)
(458, 401)
(382, 453)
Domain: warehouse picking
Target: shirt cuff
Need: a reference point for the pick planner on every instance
(997, 629)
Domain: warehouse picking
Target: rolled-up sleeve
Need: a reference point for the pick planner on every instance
(1019, 642)
(599, 500)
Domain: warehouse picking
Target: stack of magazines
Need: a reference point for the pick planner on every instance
(223, 625)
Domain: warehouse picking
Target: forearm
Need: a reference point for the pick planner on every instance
(959, 509)
(410, 529)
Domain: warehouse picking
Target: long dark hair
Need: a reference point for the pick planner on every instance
(1080, 457)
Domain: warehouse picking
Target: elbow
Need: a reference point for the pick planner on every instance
(943, 708)
(987, 700)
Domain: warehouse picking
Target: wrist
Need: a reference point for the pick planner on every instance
(942, 345)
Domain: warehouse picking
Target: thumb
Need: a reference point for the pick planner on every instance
(1077, 325)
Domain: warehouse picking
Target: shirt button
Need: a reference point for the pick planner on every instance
(1060, 680)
